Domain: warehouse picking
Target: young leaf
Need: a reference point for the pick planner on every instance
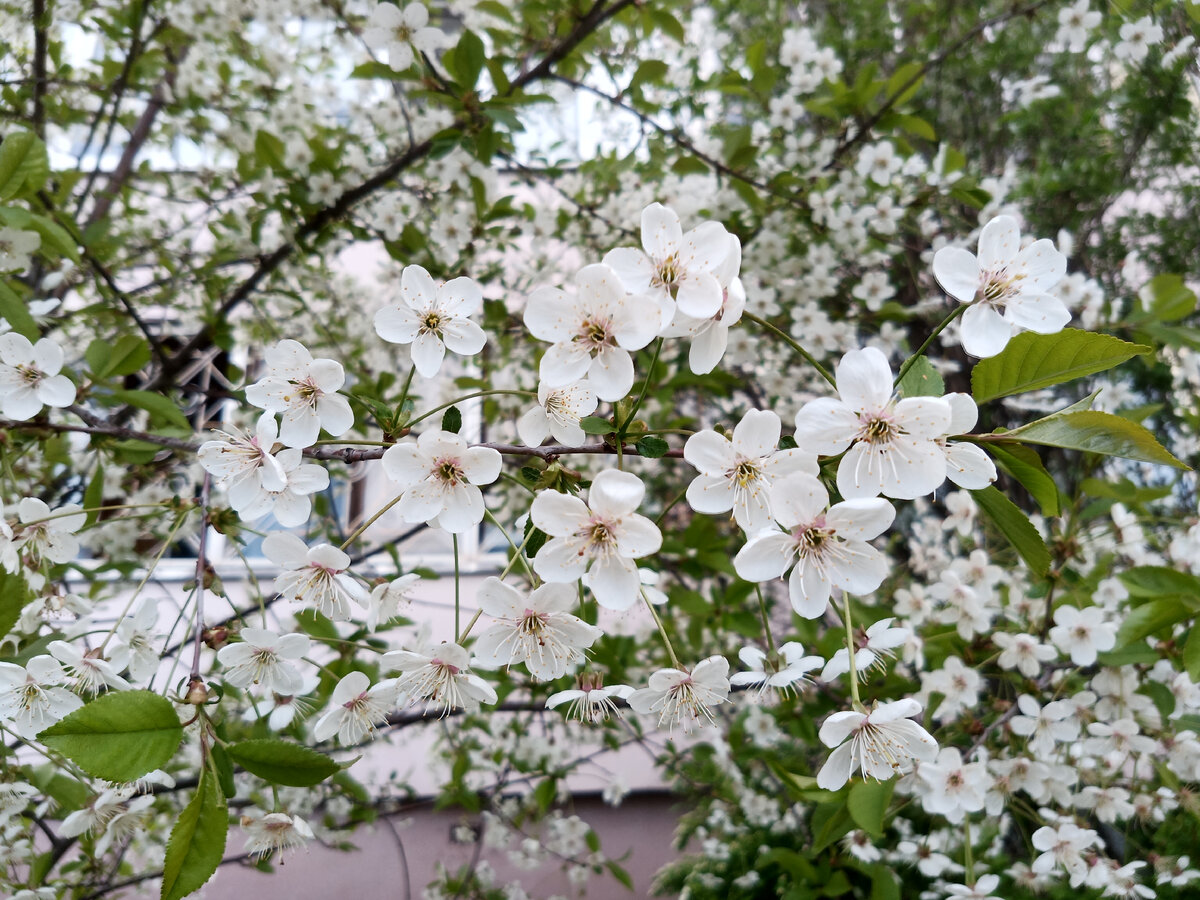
(922, 380)
(1168, 299)
(1023, 464)
(452, 420)
(1033, 361)
(1095, 432)
(868, 804)
(159, 407)
(1191, 654)
(652, 447)
(16, 313)
(282, 762)
(1015, 526)
(119, 736)
(1149, 618)
(1161, 581)
(197, 841)
(14, 595)
(596, 425)
(93, 496)
(24, 165)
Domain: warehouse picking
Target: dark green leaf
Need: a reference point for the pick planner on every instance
(282, 762)
(452, 420)
(1023, 464)
(161, 408)
(1191, 654)
(1169, 298)
(1149, 618)
(223, 766)
(119, 736)
(652, 447)
(467, 60)
(868, 804)
(93, 496)
(1160, 581)
(922, 380)
(1032, 361)
(1095, 432)
(830, 822)
(14, 597)
(14, 311)
(1016, 527)
(197, 841)
(24, 166)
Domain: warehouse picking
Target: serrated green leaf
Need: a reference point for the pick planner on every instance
(1167, 298)
(1143, 621)
(282, 762)
(904, 83)
(1095, 432)
(119, 736)
(1016, 527)
(596, 425)
(24, 165)
(922, 380)
(868, 804)
(1160, 581)
(467, 60)
(1023, 464)
(1032, 361)
(197, 842)
(159, 407)
(14, 597)
(223, 766)
(452, 420)
(652, 447)
(1191, 654)
(14, 311)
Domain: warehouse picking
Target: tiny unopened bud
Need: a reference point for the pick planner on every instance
(197, 694)
(217, 636)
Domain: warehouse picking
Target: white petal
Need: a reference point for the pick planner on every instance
(957, 271)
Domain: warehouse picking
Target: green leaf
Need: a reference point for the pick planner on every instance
(467, 60)
(1016, 527)
(922, 380)
(830, 821)
(14, 311)
(653, 70)
(596, 425)
(452, 420)
(54, 237)
(159, 407)
(197, 841)
(124, 356)
(620, 874)
(1095, 432)
(283, 762)
(1149, 618)
(1034, 361)
(223, 766)
(14, 597)
(119, 736)
(24, 166)
(1160, 581)
(1167, 298)
(93, 495)
(868, 804)
(270, 151)
(898, 88)
(1023, 464)
(652, 447)
(1191, 654)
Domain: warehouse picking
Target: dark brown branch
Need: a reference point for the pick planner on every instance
(40, 49)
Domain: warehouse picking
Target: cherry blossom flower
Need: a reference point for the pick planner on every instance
(874, 647)
(356, 708)
(1075, 24)
(592, 333)
(592, 702)
(1137, 38)
(892, 443)
(710, 336)
(88, 671)
(674, 270)
(48, 534)
(252, 499)
(1082, 633)
(828, 545)
(1064, 846)
(432, 318)
(953, 788)
(881, 743)
(314, 575)
(135, 647)
(261, 657)
(439, 476)
(966, 463)
(401, 33)
(31, 698)
(683, 698)
(274, 833)
(1022, 652)
(233, 457)
(740, 474)
(536, 630)
(441, 676)
(386, 599)
(602, 537)
(1006, 286)
(983, 889)
(30, 376)
(304, 391)
(16, 247)
(557, 413)
(791, 668)
(878, 162)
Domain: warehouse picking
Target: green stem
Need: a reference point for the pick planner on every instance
(407, 384)
(787, 339)
(850, 650)
(762, 608)
(170, 539)
(912, 360)
(968, 854)
(371, 521)
(641, 396)
(518, 550)
(661, 630)
(428, 413)
(463, 636)
(90, 509)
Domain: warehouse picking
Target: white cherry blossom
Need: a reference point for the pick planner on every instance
(252, 499)
(890, 444)
(315, 575)
(675, 271)
(32, 698)
(683, 698)
(782, 674)
(601, 537)
(304, 391)
(49, 534)
(592, 701)
(88, 670)
(592, 332)
(1137, 38)
(1082, 633)
(356, 708)
(967, 465)
(557, 414)
(710, 336)
(433, 318)
(439, 675)
(387, 598)
(401, 33)
(874, 648)
(827, 544)
(741, 474)
(536, 629)
(1007, 287)
(439, 476)
(30, 377)
(233, 457)
(273, 833)
(263, 657)
(953, 788)
(882, 743)
(1022, 652)
(1064, 846)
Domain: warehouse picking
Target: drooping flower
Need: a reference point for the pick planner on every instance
(675, 271)
(882, 743)
(30, 377)
(874, 647)
(439, 475)
(232, 457)
(261, 657)
(741, 474)
(683, 698)
(89, 671)
(592, 333)
(401, 33)
(557, 413)
(440, 676)
(892, 443)
(966, 463)
(602, 537)
(536, 630)
(32, 698)
(1007, 287)
(252, 499)
(592, 701)
(433, 317)
(828, 544)
(273, 833)
(710, 336)
(315, 575)
(304, 391)
(782, 674)
(356, 708)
